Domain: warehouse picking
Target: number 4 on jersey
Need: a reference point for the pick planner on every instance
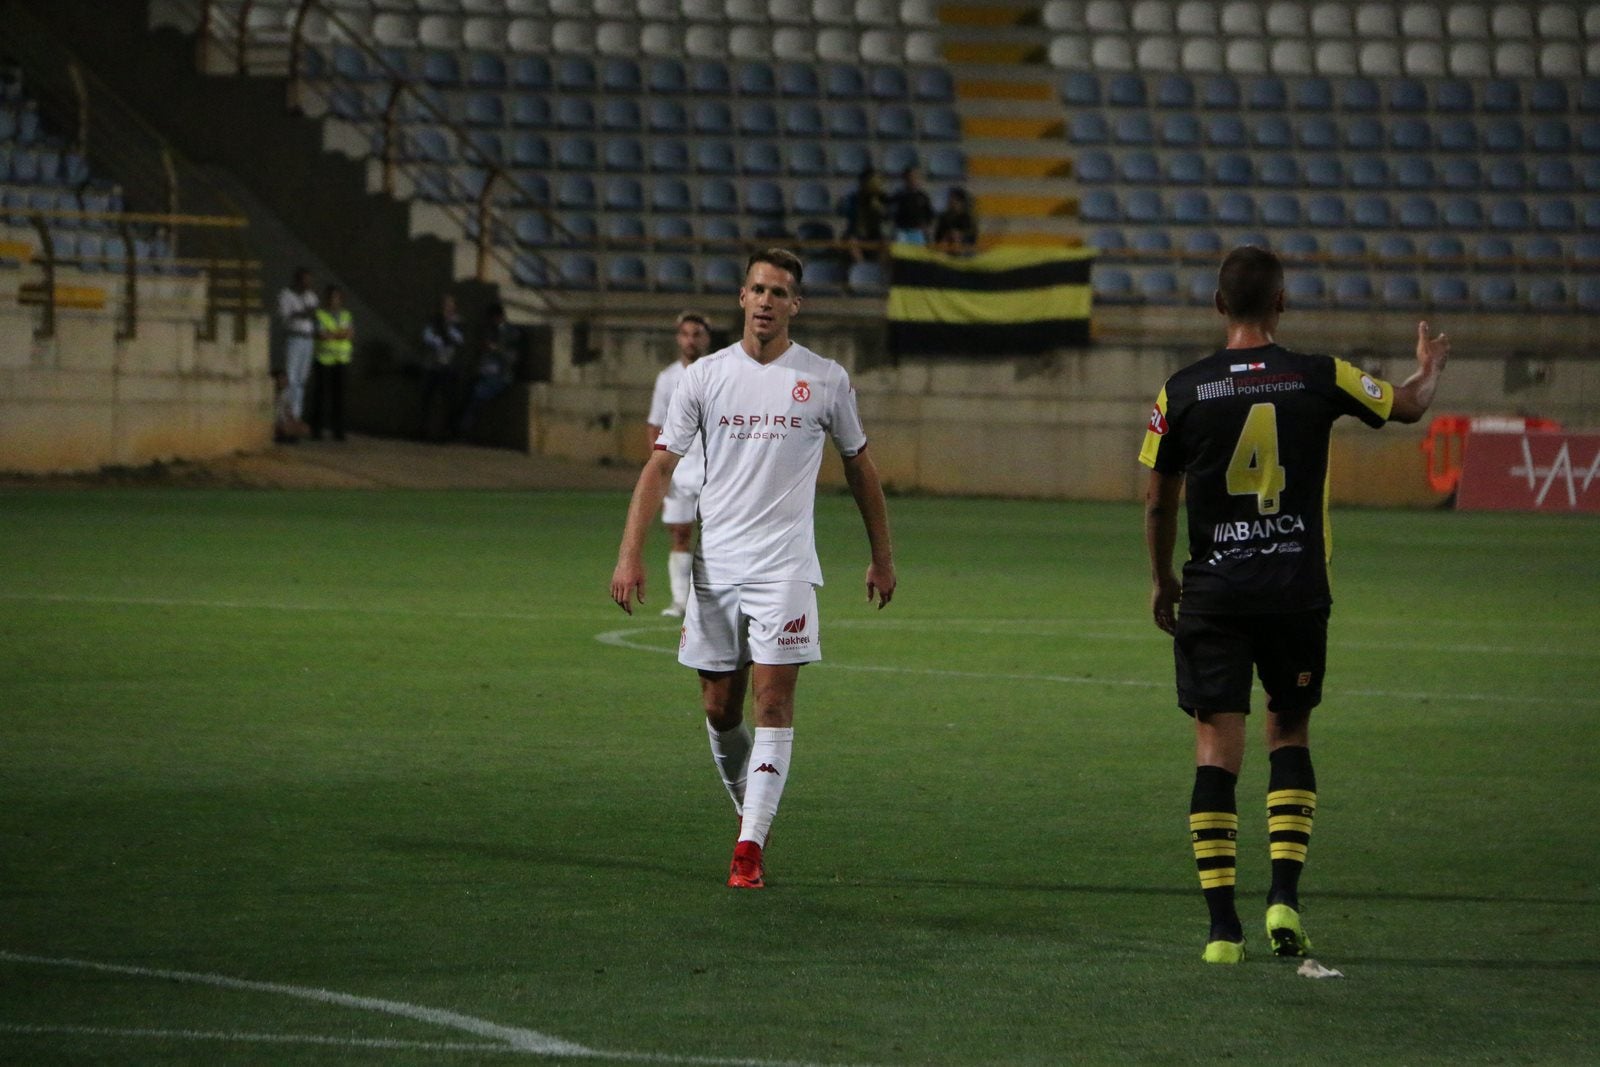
(1254, 469)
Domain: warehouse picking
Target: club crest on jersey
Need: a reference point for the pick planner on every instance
(1373, 389)
(1158, 421)
(802, 391)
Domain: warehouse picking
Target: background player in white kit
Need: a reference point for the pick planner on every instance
(761, 409)
(682, 502)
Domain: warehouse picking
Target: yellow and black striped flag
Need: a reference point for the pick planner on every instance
(1006, 301)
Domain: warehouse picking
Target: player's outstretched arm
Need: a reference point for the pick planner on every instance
(627, 580)
(862, 475)
(1160, 537)
(1414, 396)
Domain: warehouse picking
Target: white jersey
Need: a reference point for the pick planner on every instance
(290, 305)
(691, 471)
(762, 427)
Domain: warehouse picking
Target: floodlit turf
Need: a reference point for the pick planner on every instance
(401, 746)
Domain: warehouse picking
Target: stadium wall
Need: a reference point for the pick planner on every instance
(1069, 424)
(84, 399)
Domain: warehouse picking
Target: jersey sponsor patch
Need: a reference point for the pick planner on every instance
(1158, 421)
(1214, 390)
(1373, 389)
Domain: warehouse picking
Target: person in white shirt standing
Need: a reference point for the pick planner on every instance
(682, 503)
(297, 313)
(761, 409)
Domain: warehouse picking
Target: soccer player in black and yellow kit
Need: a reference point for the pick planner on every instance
(1246, 430)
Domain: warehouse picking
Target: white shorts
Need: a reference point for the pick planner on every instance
(728, 626)
(682, 502)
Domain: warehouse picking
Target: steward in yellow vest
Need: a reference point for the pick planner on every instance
(335, 329)
(335, 342)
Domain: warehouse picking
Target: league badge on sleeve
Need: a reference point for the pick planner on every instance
(1373, 389)
(1158, 421)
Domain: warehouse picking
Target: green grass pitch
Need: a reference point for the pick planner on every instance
(401, 747)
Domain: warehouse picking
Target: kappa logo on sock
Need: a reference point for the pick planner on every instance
(795, 626)
(768, 768)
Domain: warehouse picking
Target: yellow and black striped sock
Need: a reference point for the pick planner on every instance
(1291, 804)
(1214, 832)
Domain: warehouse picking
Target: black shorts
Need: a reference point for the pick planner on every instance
(1215, 654)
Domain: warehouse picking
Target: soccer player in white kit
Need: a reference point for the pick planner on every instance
(761, 409)
(682, 503)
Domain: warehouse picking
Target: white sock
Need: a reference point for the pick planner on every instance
(731, 751)
(769, 769)
(680, 568)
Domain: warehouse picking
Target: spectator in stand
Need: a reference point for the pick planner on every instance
(335, 344)
(497, 365)
(956, 231)
(442, 338)
(297, 309)
(864, 213)
(911, 210)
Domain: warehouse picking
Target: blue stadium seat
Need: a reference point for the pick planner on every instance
(1369, 172)
(1236, 209)
(619, 115)
(1589, 95)
(671, 232)
(575, 153)
(760, 158)
(1202, 286)
(1498, 292)
(867, 278)
(714, 157)
(1125, 89)
(721, 229)
(724, 275)
(813, 230)
(627, 274)
(896, 122)
(1324, 172)
(1494, 248)
(1502, 136)
(1401, 290)
(825, 277)
(347, 102)
(483, 146)
(1159, 286)
(1457, 135)
(1554, 176)
(1095, 167)
(1589, 138)
(1267, 93)
(1547, 294)
(619, 74)
(941, 123)
(1313, 94)
(799, 79)
(574, 113)
(675, 275)
(1305, 289)
(1134, 129)
(1226, 131)
(1551, 135)
(1112, 284)
(1180, 131)
(759, 119)
(350, 63)
(807, 159)
(887, 83)
(1190, 207)
(1186, 168)
(850, 159)
(1352, 290)
(1586, 248)
(897, 157)
(576, 270)
(531, 189)
(1411, 135)
(812, 198)
(718, 196)
(1317, 133)
(1445, 246)
(803, 120)
(665, 75)
(1588, 294)
(1174, 91)
(1392, 246)
(1279, 172)
(1280, 210)
(1143, 205)
(1460, 174)
(669, 156)
(1507, 175)
(713, 117)
(530, 111)
(1202, 243)
(670, 195)
(666, 116)
(1151, 242)
(1372, 213)
(847, 121)
(1510, 213)
(1463, 213)
(1454, 96)
(575, 191)
(626, 230)
(1543, 247)
(1088, 127)
(574, 74)
(441, 69)
(623, 194)
(1359, 95)
(755, 78)
(1414, 172)
(577, 230)
(483, 109)
(1108, 239)
(707, 77)
(1408, 95)
(933, 85)
(427, 144)
(1325, 211)
(1219, 92)
(1272, 131)
(1559, 216)
(1099, 205)
(1080, 88)
(530, 73)
(1448, 291)
(1140, 168)
(624, 154)
(1501, 96)
(1363, 134)
(842, 81)
(1418, 213)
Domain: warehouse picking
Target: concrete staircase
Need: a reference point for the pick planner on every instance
(1018, 167)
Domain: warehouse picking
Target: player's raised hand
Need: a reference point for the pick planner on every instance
(626, 581)
(880, 583)
(1431, 351)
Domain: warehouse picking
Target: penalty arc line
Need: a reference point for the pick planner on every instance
(509, 1039)
(625, 639)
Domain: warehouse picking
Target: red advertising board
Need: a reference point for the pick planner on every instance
(1530, 472)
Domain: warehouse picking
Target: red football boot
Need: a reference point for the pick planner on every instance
(745, 870)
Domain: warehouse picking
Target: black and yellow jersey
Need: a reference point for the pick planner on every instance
(1248, 429)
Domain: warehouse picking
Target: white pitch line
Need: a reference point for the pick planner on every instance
(625, 639)
(509, 1039)
(250, 1037)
